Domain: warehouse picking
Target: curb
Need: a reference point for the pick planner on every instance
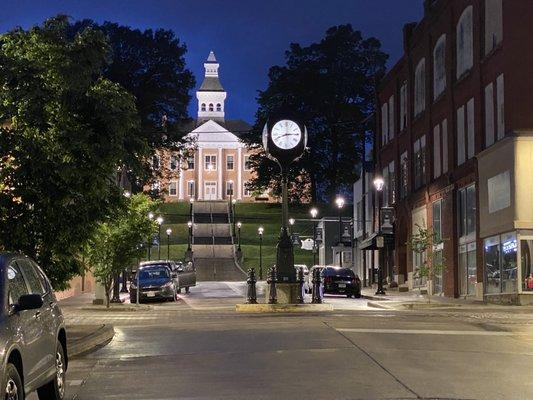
(283, 308)
(374, 304)
(117, 308)
(91, 342)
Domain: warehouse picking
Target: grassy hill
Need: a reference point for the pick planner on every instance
(252, 216)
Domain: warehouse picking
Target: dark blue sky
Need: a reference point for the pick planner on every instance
(247, 36)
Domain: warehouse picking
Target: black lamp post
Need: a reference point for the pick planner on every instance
(239, 225)
(159, 223)
(314, 213)
(150, 217)
(191, 203)
(340, 203)
(169, 232)
(189, 236)
(260, 230)
(233, 208)
(379, 183)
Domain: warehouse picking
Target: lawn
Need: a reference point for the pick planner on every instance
(252, 216)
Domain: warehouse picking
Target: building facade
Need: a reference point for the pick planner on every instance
(453, 148)
(217, 166)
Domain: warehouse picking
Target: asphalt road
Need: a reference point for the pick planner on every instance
(200, 349)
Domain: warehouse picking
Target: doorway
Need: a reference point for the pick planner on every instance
(210, 190)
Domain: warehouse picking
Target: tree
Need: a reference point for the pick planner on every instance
(116, 243)
(64, 132)
(150, 65)
(424, 242)
(330, 86)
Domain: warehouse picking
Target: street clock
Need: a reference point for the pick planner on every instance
(284, 141)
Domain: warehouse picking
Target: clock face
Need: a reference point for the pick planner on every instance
(286, 134)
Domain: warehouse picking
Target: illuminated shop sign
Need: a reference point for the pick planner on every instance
(509, 247)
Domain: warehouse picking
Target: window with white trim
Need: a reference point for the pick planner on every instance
(173, 188)
(493, 24)
(247, 164)
(489, 115)
(419, 164)
(174, 162)
(246, 191)
(211, 107)
(403, 107)
(391, 118)
(230, 164)
(439, 67)
(389, 188)
(191, 189)
(465, 132)
(494, 111)
(203, 107)
(229, 188)
(210, 163)
(190, 162)
(465, 43)
(440, 149)
(500, 107)
(420, 87)
(384, 124)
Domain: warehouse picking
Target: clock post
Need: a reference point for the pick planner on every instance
(285, 141)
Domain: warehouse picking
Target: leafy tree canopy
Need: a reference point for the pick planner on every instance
(330, 86)
(65, 130)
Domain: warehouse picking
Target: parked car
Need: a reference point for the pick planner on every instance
(186, 275)
(156, 281)
(34, 342)
(337, 280)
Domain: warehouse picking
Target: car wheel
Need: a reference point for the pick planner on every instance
(14, 389)
(187, 290)
(349, 296)
(55, 389)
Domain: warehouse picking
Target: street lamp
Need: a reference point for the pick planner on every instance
(314, 213)
(291, 223)
(239, 225)
(260, 230)
(189, 236)
(379, 183)
(191, 202)
(169, 231)
(340, 204)
(159, 223)
(150, 217)
(233, 204)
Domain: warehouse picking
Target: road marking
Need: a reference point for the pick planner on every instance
(429, 332)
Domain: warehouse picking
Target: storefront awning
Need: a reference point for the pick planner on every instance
(372, 242)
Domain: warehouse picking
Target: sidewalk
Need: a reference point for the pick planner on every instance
(413, 300)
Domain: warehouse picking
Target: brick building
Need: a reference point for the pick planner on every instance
(455, 146)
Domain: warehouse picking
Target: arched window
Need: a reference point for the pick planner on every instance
(439, 67)
(465, 43)
(219, 107)
(211, 107)
(420, 87)
(203, 107)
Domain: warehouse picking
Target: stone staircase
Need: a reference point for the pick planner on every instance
(214, 251)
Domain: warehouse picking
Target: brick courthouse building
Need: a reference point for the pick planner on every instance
(455, 147)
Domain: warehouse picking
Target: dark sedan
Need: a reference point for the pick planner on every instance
(337, 280)
(155, 282)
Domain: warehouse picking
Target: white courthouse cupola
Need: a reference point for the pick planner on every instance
(211, 95)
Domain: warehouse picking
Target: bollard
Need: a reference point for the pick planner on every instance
(300, 298)
(272, 294)
(380, 290)
(317, 297)
(251, 293)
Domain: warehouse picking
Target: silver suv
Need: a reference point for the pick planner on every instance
(32, 332)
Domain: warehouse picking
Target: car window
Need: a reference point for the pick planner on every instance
(44, 280)
(154, 273)
(31, 276)
(16, 285)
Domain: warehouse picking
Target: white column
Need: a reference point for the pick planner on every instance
(239, 173)
(200, 168)
(219, 166)
(181, 195)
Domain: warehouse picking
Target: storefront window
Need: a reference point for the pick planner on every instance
(509, 266)
(492, 265)
(437, 279)
(526, 253)
(501, 269)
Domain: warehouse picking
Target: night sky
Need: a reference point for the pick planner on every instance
(247, 36)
